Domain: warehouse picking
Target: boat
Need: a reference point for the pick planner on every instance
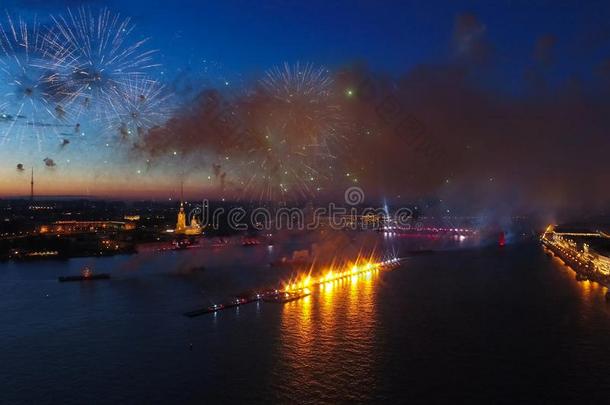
(218, 307)
(215, 307)
(86, 275)
(181, 244)
(205, 310)
(250, 296)
(250, 241)
(238, 301)
(501, 239)
(286, 296)
(220, 243)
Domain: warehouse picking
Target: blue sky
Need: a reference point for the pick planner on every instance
(388, 35)
(235, 41)
(393, 36)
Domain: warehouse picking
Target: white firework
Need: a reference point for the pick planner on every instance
(29, 106)
(298, 82)
(145, 103)
(94, 56)
(294, 125)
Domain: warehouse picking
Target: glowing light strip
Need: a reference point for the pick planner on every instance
(305, 282)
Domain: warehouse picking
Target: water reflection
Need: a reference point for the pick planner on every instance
(352, 341)
(330, 333)
(589, 291)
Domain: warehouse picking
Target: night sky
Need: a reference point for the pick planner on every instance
(507, 103)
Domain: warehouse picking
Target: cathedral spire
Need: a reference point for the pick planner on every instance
(182, 193)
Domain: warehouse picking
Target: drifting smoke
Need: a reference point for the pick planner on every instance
(469, 39)
(543, 52)
(277, 140)
(48, 162)
(438, 130)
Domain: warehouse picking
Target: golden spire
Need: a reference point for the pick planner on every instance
(181, 223)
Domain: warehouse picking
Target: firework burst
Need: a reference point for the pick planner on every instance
(293, 122)
(29, 106)
(144, 105)
(95, 57)
(298, 82)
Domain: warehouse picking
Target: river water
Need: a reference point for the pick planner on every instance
(502, 325)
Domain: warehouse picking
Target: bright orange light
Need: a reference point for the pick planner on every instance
(326, 281)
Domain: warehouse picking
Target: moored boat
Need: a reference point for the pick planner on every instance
(286, 296)
(86, 275)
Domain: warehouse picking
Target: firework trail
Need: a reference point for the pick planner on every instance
(95, 57)
(5, 117)
(28, 106)
(292, 83)
(276, 141)
(294, 121)
(145, 103)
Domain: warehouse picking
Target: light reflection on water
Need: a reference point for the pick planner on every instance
(589, 293)
(330, 332)
(458, 326)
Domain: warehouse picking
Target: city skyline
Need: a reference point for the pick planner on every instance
(304, 202)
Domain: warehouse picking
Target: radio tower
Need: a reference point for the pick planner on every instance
(32, 186)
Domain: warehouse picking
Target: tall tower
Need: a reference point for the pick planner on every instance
(181, 223)
(32, 186)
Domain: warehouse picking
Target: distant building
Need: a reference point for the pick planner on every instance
(74, 227)
(590, 247)
(599, 257)
(194, 228)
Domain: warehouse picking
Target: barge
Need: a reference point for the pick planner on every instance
(86, 275)
(580, 262)
(219, 307)
(102, 276)
(282, 297)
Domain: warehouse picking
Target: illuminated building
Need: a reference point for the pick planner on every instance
(194, 228)
(73, 227)
(590, 251)
(181, 223)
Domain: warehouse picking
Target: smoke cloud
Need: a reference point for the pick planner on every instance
(437, 130)
(48, 162)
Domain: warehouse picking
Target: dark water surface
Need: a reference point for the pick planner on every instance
(496, 325)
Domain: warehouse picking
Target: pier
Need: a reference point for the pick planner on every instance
(575, 250)
(296, 289)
